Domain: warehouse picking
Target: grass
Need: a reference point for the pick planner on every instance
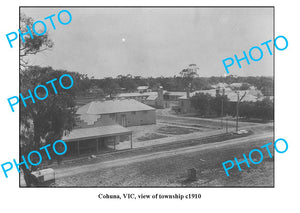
(150, 136)
(188, 125)
(172, 171)
(175, 130)
(211, 123)
(84, 160)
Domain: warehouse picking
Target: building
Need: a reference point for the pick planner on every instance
(173, 96)
(153, 99)
(142, 89)
(101, 126)
(252, 95)
(156, 99)
(141, 97)
(97, 139)
(127, 112)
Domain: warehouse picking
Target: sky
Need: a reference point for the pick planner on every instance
(153, 42)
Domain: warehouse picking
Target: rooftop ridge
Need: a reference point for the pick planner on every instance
(113, 106)
(90, 104)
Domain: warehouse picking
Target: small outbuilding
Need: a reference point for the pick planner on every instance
(98, 139)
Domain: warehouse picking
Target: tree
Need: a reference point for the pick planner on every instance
(201, 102)
(110, 86)
(244, 86)
(206, 105)
(201, 84)
(45, 121)
(219, 103)
(83, 83)
(266, 109)
(31, 46)
(127, 82)
(189, 74)
(248, 110)
(263, 110)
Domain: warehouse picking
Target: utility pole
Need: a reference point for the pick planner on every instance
(222, 112)
(237, 109)
(222, 107)
(237, 112)
(226, 123)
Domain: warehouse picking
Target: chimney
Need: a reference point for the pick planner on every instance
(217, 91)
(188, 90)
(160, 92)
(160, 97)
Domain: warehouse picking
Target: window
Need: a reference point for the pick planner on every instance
(113, 115)
(133, 113)
(145, 112)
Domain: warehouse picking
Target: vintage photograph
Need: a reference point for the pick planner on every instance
(146, 96)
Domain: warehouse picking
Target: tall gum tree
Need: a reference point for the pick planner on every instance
(44, 121)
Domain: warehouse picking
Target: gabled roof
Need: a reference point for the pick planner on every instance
(112, 106)
(236, 85)
(152, 97)
(89, 119)
(142, 87)
(211, 92)
(248, 97)
(95, 132)
(135, 94)
(221, 85)
(231, 95)
(171, 93)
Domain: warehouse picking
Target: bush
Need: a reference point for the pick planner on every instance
(261, 109)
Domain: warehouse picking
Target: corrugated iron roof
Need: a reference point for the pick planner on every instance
(231, 95)
(142, 87)
(89, 119)
(152, 97)
(248, 97)
(113, 106)
(171, 93)
(135, 94)
(95, 132)
(221, 85)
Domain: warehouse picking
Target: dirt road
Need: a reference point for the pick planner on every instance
(65, 172)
